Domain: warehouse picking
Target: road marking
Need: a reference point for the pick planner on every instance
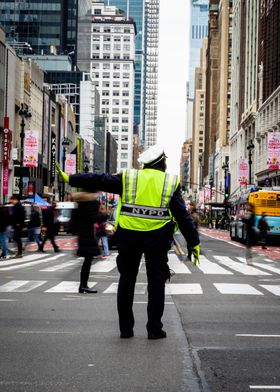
(67, 287)
(32, 263)
(21, 286)
(243, 269)
(256, 335)
(176, 265)
(264, 387)
(145, 302)
(24, 259)
(228, 241)
(274, 289)
(8, 300)
(112, 289)
(235, 288)
(70, 263)
(268, 267)
(207, 267)
(183, 288)
(48, 332)
(106, 265)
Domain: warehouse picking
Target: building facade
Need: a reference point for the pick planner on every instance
(48, 27)
(112, 71)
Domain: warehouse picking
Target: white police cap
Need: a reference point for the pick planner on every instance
(152, 154)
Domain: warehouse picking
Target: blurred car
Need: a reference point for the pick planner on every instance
(64, 211)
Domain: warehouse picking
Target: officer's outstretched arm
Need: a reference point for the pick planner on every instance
(63, 176)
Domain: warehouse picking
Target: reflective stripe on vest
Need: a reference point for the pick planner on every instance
(145, 199)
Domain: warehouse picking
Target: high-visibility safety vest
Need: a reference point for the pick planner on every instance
(146, 196)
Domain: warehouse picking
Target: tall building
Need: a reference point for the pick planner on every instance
(112, 58)
(47, 26)
(135, 10)
(198, 30)
(150, 92)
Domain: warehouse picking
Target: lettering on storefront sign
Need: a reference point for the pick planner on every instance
(53, 157)
(6, 148)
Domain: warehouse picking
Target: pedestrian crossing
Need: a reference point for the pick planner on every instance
(71, 287)
(215, 265)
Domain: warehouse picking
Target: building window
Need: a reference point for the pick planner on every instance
(117, 29)
(126, 57)
(125, 102)
(115, 128)
(126, 47)
(126, 38)
(107, 38)
(116, 102)
(126, 66)
(117, 46)
(126, 75)
(116, 66)
(124, 138)
(124, 155)
(117, 39)
(95, 38)
(124, 111)
(123, 165)
(117, 57)
(115, 120)
(107, 29)
(106, 56)
(105, 101)
(124, 146)
(124, 129)
(95, 56)
(96, 29)
(125, 120)
(115, 111)
(116, 75)
(126, 30)
(105, 84)
(125, 84)
(106, 47)
(106, 66)
(106, 75)
(105, 93)
(116, 93)
(97, 11)
(125, 93)
(116, 84)
(105, 111)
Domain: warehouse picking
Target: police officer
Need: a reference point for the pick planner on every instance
(149, 209)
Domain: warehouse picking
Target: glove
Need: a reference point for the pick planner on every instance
(64, 177)
(196, 254)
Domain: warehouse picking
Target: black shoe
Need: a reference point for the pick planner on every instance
(127, 334)
(157, 335)
(56, 250)
(87, 290)
(18, 256)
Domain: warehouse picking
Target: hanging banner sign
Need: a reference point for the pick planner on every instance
(6, 155)
(70, 164)
(243, 171)
(207, 193)
(273, 150)
(53, 156)
(30, 154)
(201, 199)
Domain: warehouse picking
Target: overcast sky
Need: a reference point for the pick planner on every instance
(173, 71)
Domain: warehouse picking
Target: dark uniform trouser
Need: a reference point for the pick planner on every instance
(49, 236)
(157, 273)
(85, 271)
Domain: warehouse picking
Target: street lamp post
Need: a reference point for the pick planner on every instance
(211, 182)
(250, 147)
(25, 114)
(65, 143)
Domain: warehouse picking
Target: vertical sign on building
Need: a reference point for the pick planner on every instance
(30, 154)
(53, 156)
(45, 143)
(6, 155)
(70, 164)
(273, 150)
(243, 171)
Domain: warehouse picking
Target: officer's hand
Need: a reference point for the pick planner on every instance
(64, 177)
(196, 254)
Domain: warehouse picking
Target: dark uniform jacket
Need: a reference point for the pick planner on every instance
(130, 239)
(18, 215)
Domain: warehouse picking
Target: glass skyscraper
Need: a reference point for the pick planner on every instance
(199, 30)
(135, 9)
(41, 23)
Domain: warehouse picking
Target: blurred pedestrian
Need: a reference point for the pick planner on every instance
(149, 207)
(195, 219)
(249, 220)
(217, 223)
(101, 232)
(18, 218)
(50, 227)
(34, 225)
(88, 207)
(4, 223)
(263, 228)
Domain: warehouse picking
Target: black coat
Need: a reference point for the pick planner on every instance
(18, 215)
(86, 217)
(4, 219)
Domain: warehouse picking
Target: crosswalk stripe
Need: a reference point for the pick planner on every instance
(67, 287)
(23, 259)
(243, 269)
(236, 288)
(268, 267)
(112, 289)
(274, 289)
(176, 265)
(105, 265)
(183, 288)
(32, 263)
(21, 286)
(208, 267)
(58, 267)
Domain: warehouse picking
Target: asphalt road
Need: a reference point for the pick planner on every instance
(222, 320)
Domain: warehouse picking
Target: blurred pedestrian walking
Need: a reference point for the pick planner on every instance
(50, 227)
(4, 223)
(18, 221)
(34, 225)
(85, 218)
(101, 232)
(195, 219)
(249, 220)
(263, 228)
